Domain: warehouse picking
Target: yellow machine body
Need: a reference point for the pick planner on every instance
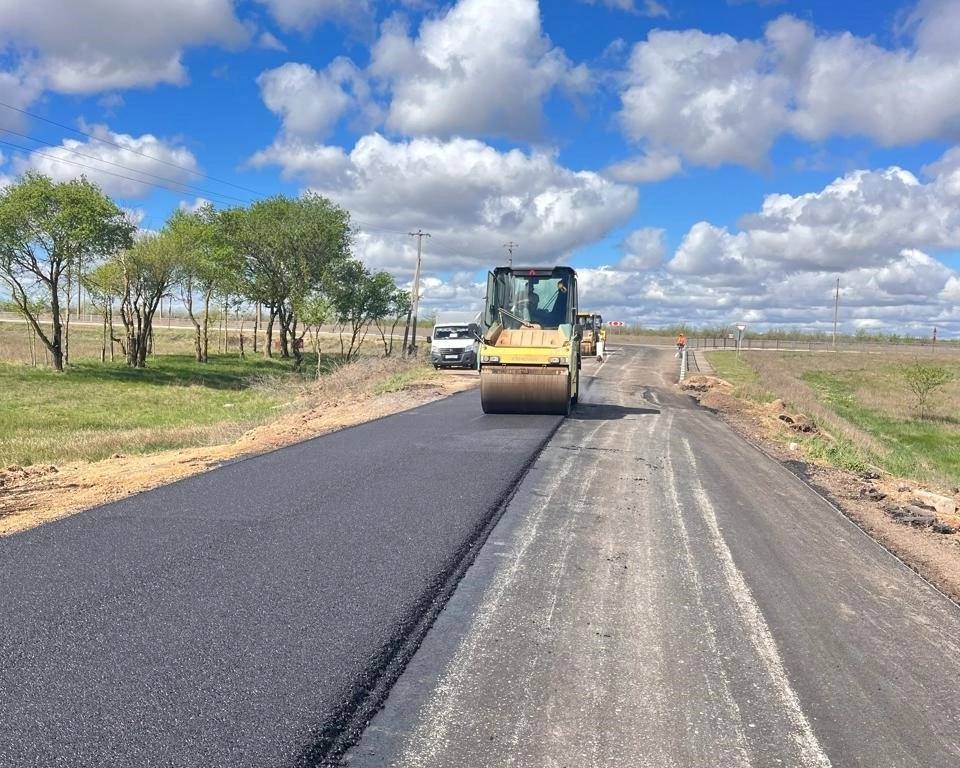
(530, 355)
(591, 325)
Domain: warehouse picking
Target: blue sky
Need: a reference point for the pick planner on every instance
(636, 140)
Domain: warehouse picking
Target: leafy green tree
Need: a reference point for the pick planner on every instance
(314, 310)
(358, 298)
(923, 381)
(46, 229)
(104, 285)
(286, 247)
(397, 307)
(210, 268)
(149, 268)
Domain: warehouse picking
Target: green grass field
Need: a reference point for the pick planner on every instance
(95, 409)
(739, 373)
(928, 449)
(863, 401)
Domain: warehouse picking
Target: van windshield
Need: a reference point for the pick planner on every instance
(452, 332)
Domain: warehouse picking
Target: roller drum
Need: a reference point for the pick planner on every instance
(520, 389)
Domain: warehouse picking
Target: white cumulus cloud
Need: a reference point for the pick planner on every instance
(483, 67)
(78, 47)
(643, 249)
(126, 167)
(469, 195)
(876, 230)
(310, 102)
(715, 99)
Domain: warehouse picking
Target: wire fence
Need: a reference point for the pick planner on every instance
(926, 346)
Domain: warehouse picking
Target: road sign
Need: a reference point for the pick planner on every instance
(741, 327)
(616, 323)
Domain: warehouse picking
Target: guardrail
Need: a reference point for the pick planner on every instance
(683, 364)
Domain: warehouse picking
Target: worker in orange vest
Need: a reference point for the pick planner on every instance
(681, 342)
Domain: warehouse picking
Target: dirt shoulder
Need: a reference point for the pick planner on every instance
(31, 496)
(920, 525)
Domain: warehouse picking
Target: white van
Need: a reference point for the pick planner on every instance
(454, 341)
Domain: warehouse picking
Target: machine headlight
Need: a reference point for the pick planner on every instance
(554, 361)
(490, 359)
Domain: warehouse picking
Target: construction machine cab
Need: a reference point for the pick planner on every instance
(540, 298)
(591, 327)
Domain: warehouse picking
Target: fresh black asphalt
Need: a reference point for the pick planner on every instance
(237, 618)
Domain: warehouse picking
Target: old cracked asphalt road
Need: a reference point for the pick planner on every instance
(231, 618)
(660, 594)
(656, 593)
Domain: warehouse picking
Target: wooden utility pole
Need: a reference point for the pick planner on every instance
(419, 234)
(510, 246)
(836, 309)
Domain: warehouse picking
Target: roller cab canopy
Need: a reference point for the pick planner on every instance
(590, 321)
(544, 297)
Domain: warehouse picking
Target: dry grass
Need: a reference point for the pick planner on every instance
(17, 344)
(865, 411)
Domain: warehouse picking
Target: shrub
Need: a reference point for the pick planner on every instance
(923, 381)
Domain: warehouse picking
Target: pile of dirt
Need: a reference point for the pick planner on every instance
(918, 524)
(30, 496)
(711, 391)
(702, 383)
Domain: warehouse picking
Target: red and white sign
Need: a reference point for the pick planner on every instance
(616, 323)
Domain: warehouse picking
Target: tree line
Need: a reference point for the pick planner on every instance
(289, 258)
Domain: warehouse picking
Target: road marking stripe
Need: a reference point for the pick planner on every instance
(811, 752)
(711, 630)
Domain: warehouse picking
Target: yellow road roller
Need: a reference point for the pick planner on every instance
(530, 353)
(591, 327)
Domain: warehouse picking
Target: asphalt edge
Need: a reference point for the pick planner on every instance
(827, 499)
(234, 460)
(331, 739)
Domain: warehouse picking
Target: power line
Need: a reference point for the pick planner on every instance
(97, 170)
(121, 165)
(128, 149)
(186, 169)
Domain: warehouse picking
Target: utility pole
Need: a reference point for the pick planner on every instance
(836, 309)
(419, 234)
(510, 246)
